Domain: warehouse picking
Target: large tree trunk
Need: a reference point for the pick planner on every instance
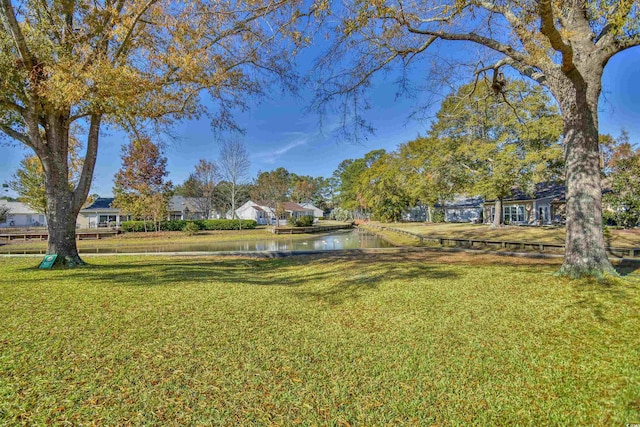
(61, 222)
(61, 213)
(63, 201)
(585, 251)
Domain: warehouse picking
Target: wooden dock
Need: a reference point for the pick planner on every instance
(43, 235)
(499, 244)
(308, 230)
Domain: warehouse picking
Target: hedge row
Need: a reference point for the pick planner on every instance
(178, 225)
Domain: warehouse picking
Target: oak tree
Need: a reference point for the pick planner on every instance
(4, 212)
(434, 173)
(563, 45)
(347, 177)
(381, 189)
(500, 142)
(623, 199)
(129, 64)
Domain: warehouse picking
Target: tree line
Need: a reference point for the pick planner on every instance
(483, 145)
(480, 144)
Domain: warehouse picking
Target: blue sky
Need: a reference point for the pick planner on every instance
(280, 133)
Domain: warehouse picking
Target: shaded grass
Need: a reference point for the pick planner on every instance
(388, 339)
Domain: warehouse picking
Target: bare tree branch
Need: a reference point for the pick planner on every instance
(18, 136)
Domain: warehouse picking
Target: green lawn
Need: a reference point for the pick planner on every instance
(414, 339)
(553, 235)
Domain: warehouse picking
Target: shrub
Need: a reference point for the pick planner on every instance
(191, 228)
(137, 226)
(179, 225)
(227, 224)
(174, 225)
(305, 221)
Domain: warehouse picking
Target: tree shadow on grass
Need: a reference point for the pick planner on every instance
(603, 297)
(327, 278)
(628, 267)
(356, 274)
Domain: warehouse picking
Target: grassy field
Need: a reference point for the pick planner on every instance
(553, 235)
(414, 339)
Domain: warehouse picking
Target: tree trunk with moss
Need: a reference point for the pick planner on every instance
(585, 250)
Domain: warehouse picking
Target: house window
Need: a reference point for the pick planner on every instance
(514, 213)
(173, 217)
(106, 220)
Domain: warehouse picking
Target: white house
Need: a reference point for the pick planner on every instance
(295, 210)
(265, 215)
(317, 212)
(21, 215)
(251, 210)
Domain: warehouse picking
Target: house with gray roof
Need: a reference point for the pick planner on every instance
(101, 213)
(544, 205)
(191, 208)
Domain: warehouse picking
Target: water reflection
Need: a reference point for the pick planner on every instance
(344, 239)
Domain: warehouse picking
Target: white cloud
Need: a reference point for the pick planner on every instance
(272, 156)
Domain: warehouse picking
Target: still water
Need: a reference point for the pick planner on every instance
(343, 239)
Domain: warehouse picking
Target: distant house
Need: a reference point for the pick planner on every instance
(295, 210)
(317, 212)
(100, 214)
(464, 209)
(190, 208)
(21, 215)
(251, 210)
(546, 205)
(460, 209)
(417, 213)
(265, 215)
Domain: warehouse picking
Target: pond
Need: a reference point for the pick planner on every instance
(342, 239)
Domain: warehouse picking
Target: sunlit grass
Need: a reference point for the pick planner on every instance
(551, 235)
(389, 339)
